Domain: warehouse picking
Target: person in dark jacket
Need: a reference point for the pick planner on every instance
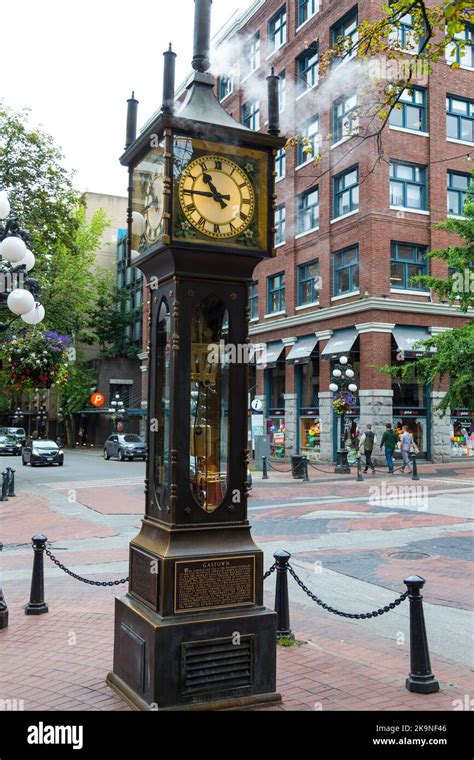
(389, 441)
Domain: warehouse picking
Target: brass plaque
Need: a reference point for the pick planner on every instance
(214, 583)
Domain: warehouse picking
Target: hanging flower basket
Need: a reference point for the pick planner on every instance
(35, 360)
(343, 403)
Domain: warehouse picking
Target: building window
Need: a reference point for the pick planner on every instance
(251, 56)
(280, 164)
(346, 271)
(307, 206)
(225, 87)
(346, 192)
(308, 283)
(277, 30)
(403, 34)
(253, 300)
(307, 9)
(251, 114)
(345, 33)
(308, 144)
(307, 69)
(280, 223)
(412, 111)
(407, 261)
(460, 119)
(462, 51)
(276, 293)
(282, 90)
(345, 117)
(458, 185)
(408, 185)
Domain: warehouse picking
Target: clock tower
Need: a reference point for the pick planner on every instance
(192, 632)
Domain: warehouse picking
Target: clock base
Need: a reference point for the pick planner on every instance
(216, 660)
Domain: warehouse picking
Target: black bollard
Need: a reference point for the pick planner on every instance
(3, 611)
(37, 605)
(414, 475)
(359, 478)
(304, 465)
(420, 679)
(3, 607)
(11, 482)
(282, 607)
(4, 494)
(264, 469)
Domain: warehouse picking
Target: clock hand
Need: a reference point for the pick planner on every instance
(217, 195)
(206, 194)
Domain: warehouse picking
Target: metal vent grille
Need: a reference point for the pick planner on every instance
(217, 665)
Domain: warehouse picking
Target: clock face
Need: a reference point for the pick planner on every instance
(154, 206)
(217, 196)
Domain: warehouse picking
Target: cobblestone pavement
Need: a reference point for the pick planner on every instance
(351, 543)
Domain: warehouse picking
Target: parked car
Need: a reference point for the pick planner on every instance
(16, 432)
(42, 452)
(125, 446)
(9, 445)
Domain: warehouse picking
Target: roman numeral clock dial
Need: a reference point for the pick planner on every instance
(217, 197)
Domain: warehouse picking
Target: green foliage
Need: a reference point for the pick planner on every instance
(109, 318)
(76, 392)
(68, 278)
(459, 258)
(40, 189)
(453, 356)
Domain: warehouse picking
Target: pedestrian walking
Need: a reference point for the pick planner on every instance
(407, 444)
(368, 440)
(389, 441)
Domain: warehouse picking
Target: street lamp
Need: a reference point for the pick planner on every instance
(17, 415)
(21, 293)
(343, 385)
(117, 411)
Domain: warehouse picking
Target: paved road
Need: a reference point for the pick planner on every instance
(345, 537)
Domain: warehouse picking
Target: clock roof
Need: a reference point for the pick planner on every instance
(201, 115)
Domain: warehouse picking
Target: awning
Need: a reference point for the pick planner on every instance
(340, 343)
(406, 337)
(270, 356)
(302, 350)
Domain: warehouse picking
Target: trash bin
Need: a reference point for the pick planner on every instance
(297, 466)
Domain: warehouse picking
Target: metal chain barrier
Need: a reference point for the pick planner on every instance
(361, 616)
(326, 472)
(79, 578)
(277, 469)
(270, 571)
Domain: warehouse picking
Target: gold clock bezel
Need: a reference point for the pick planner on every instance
(247, 199)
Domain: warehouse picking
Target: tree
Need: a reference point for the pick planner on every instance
(40, 189)
(451, 353)
(75, 396)
(68, 281)
(436, 31)
(109, 319)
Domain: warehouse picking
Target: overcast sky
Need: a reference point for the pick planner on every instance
(75, 64)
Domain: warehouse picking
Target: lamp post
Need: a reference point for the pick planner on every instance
(20, 292)
(343, 384)
(117, 413)
(41, 419)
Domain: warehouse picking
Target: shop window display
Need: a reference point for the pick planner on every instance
(310, 437)
(462, 437)
(276, 430)
(417, 426)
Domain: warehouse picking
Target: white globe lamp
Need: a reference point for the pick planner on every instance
(4, 205)
(35, 316)
(13, 249)
(333, 387)
(20, 301)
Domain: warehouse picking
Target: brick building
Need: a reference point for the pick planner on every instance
(351, 232)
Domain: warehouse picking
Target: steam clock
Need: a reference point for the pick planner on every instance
(192, 631)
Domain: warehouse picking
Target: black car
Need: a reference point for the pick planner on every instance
(9, 445)
(15, 432)
(42, 452)
(125, 446)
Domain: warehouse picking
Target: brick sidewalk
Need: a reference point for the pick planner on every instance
(59, 661)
